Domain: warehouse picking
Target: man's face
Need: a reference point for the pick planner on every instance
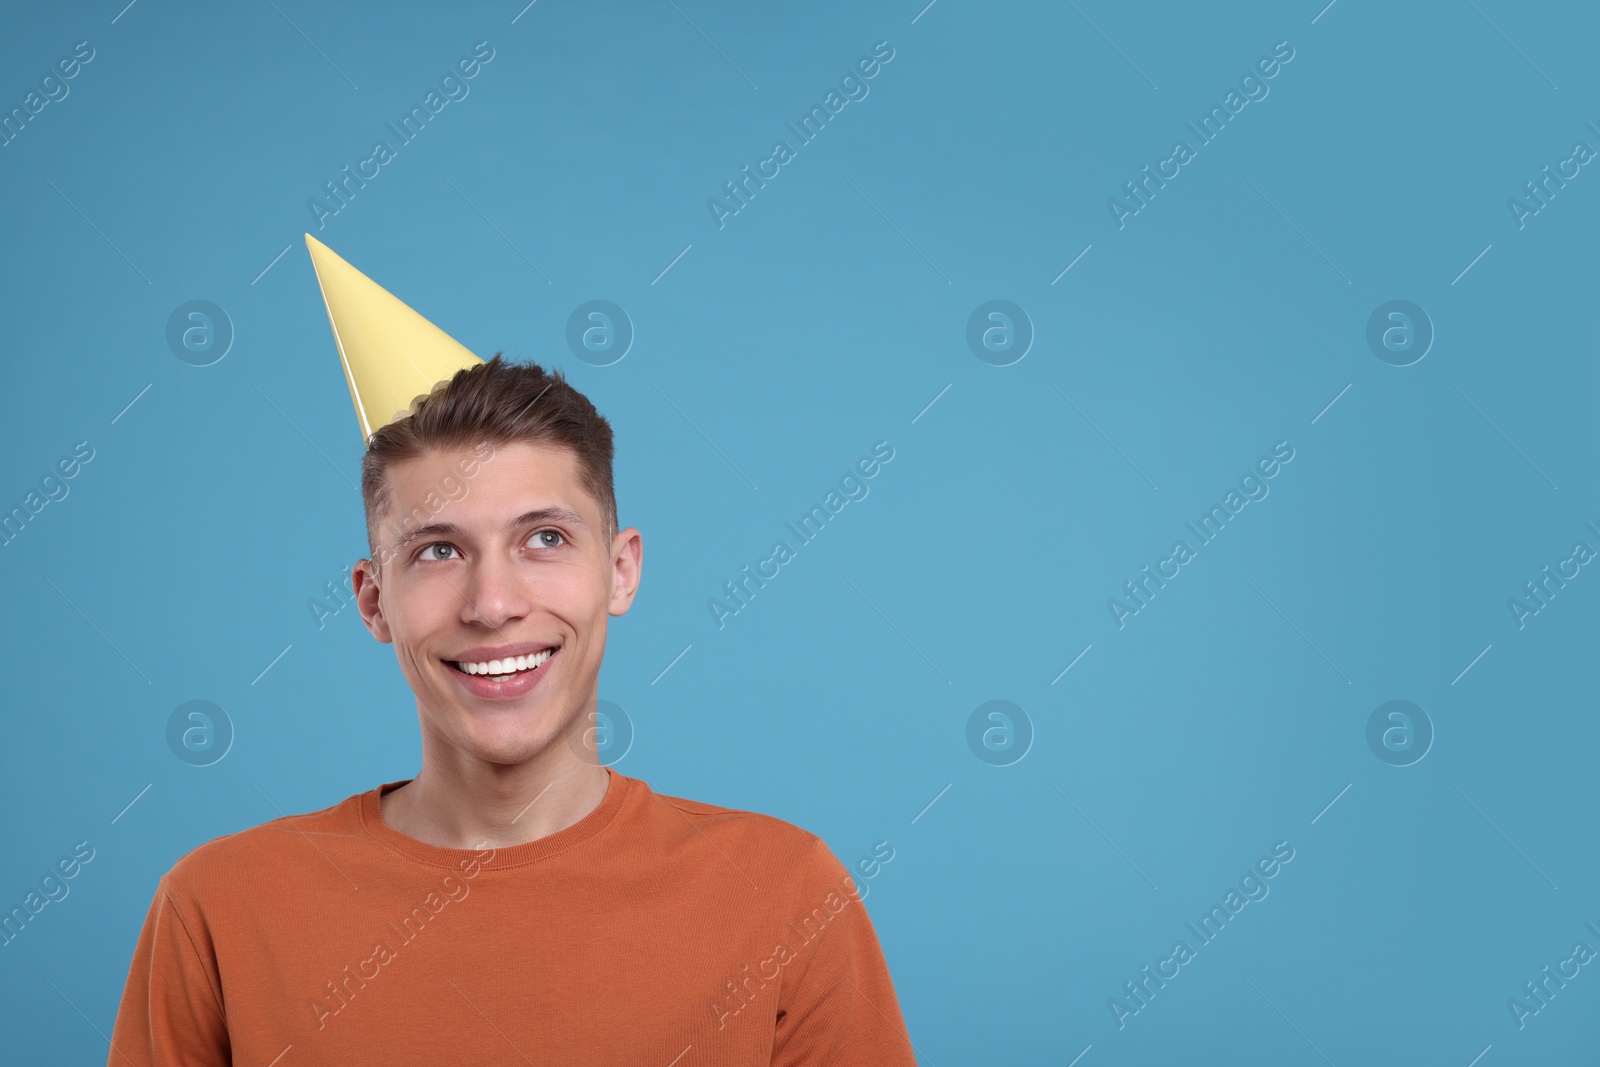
(517, 565)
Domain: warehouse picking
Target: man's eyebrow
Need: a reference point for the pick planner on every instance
(527, 518)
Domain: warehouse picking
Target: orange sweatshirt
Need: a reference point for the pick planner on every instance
(655, 930)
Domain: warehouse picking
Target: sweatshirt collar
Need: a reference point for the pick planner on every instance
(618, 789)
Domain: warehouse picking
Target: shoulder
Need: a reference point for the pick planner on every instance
(253, 860)
(764, 847)
(735, 825)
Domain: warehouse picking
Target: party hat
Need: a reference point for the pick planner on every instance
(391, 354)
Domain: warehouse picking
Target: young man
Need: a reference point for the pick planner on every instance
(518, 901)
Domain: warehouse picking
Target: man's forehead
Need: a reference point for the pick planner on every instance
(488, 488)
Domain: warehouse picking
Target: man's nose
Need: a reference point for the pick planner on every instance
(495, 591)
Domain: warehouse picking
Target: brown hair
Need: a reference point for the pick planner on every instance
(495, 403)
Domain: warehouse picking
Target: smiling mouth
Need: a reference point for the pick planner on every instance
(501, 670)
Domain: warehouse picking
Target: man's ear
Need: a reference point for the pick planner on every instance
(364, 582)
(627, 565)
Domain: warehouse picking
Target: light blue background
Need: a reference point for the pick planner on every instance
(822, 318)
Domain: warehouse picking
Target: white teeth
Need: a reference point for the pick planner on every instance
(507, 666)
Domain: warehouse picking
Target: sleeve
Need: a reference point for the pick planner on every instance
(836, 1003)
(171, 1010)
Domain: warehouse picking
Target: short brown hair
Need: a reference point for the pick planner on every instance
(495, 403)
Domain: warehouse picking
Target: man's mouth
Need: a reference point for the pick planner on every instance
(501, 670)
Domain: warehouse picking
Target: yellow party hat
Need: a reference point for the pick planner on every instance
(391, 354)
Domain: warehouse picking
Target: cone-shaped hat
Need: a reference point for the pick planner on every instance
(391, 354)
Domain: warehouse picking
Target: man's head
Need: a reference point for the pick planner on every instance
(492, 523)
(489, 404)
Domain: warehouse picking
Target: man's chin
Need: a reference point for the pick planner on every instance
(511, 741)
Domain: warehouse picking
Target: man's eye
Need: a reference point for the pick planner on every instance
(432, 551)
(539, 543)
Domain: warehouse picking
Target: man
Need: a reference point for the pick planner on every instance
(518, 901)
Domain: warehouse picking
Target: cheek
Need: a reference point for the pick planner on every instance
(569, 593)
(423, 603)
(413, 614)
(409, 665)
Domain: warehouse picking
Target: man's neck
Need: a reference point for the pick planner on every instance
(483, 806)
